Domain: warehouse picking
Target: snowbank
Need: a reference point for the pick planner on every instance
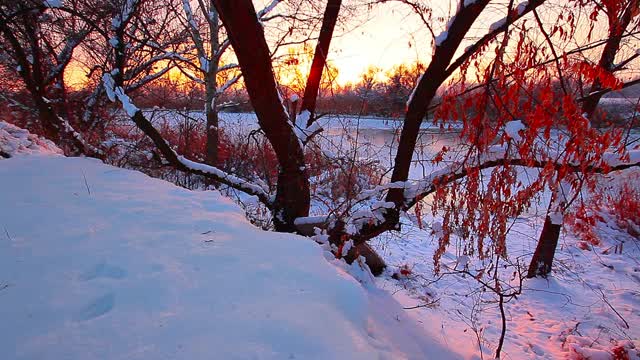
(98, 262)
(588, 308)
(14, 141)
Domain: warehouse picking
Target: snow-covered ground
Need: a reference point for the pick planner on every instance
(619, 101)
(249, 121)
(15, 141)
(98, 262)
(589, 306)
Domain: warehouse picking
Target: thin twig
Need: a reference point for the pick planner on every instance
(7, 233)
(86, 183)
(428, 304)
(604, 298)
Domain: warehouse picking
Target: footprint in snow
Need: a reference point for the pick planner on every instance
(97, 307)
(103, 270)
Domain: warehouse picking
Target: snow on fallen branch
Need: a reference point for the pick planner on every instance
(179, 162)
(522, 9)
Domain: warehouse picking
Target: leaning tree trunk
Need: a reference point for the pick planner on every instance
(246, 34)
(320, 59)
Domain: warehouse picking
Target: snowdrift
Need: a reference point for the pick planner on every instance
(98, 262)
(14, 141)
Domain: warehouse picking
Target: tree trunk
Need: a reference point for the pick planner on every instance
(247, 38)
(213, 137)
(545, 250)
(373, 260)
(320, 59)
(611, 48)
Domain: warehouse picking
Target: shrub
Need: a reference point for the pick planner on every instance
(619, 204)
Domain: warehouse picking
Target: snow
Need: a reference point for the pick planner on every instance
(614, 159)
(302, 132)
(221, 174)
(187, 9)
(556, 218)
(498, 24)
(442, 37)
(53, 3)
(268, 8)
(16, 141)
(571, 313)
(122, 266)
(522, 7)
(204, 64)
(413, 92)
(303, 117)
(513, 128)
(311, 220)
(383, 205)
(248, 121)
(114, 92)
(125, 13)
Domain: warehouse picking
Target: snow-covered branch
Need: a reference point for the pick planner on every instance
(367, 223)
(223, 47)
(496, 28)
(228, 84)
(115, 92)
(228, 67)
(134, 72)
(193, 28)
(267, 9)
(78, 138)
(64, 56)
(125, 14)
(148, 78)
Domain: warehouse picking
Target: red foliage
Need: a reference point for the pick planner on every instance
(622, 204)
(248, 157)
(620, 353)
(546, 100)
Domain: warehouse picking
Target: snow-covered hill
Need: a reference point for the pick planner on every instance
(98, 262)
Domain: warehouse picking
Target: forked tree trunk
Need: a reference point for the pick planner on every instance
(545, 250)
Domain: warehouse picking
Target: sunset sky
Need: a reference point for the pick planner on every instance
(383, 35)
(391, 35)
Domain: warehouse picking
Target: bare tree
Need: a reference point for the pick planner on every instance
(622, 17)
(38, 42)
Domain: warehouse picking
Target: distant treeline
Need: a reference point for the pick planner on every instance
(368, 97)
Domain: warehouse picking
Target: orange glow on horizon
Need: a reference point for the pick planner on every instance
(387, 35)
